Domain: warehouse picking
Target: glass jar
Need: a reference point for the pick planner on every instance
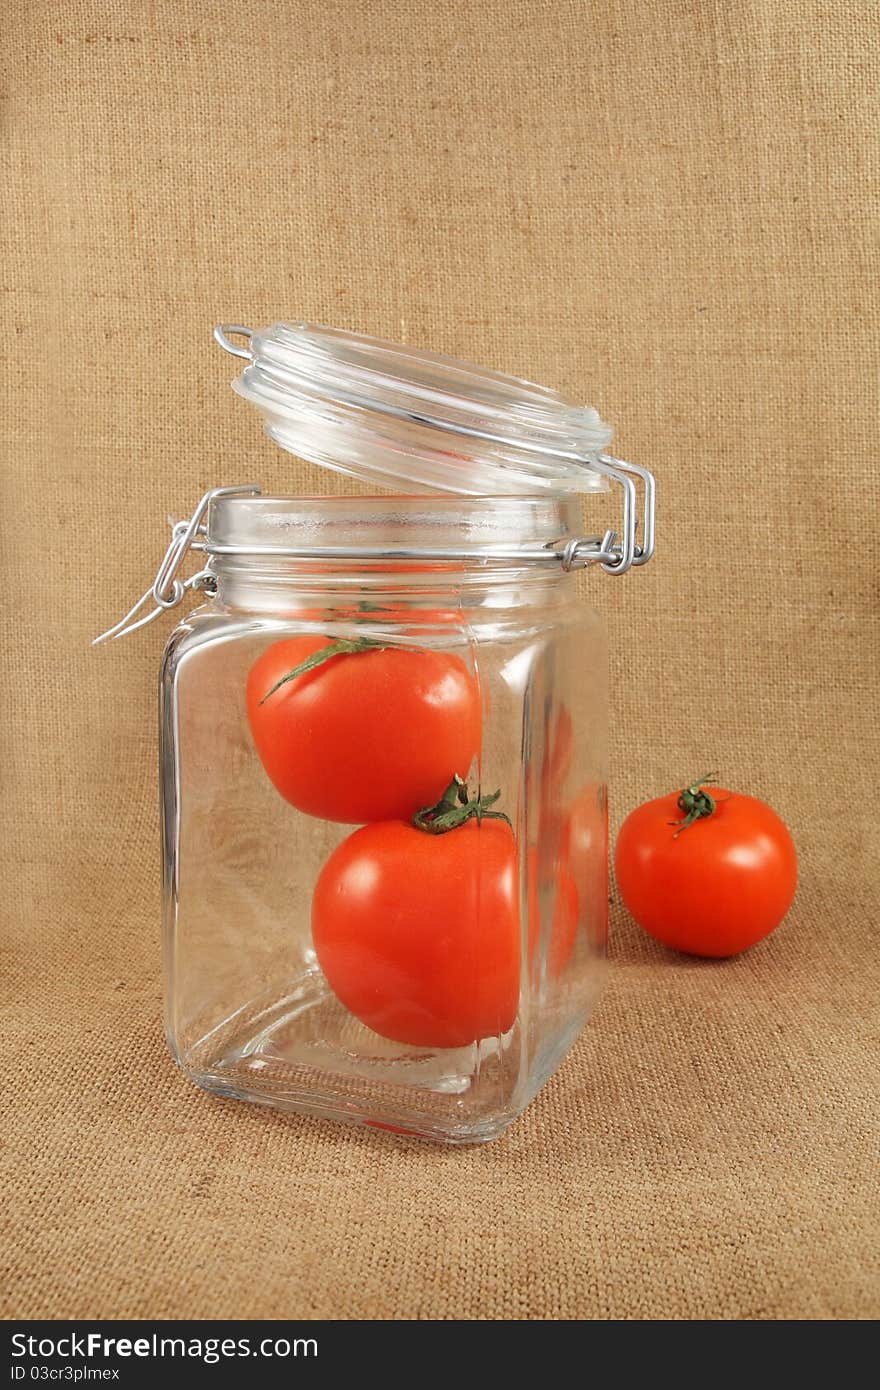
(383, 741)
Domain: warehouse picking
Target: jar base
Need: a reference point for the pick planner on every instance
(294, 1047)
(308, 1104)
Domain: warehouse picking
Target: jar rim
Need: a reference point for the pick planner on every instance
(512, 529)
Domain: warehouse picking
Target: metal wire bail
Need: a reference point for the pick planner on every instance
(221, 335)
(166, 590)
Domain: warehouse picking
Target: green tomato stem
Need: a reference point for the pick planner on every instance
(695, 803)
(342, 646)
(455, 808)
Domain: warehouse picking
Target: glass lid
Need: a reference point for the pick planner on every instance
(417, 421)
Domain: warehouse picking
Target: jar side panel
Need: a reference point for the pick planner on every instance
(563, 838)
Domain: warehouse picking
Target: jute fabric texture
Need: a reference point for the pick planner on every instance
(668, 210)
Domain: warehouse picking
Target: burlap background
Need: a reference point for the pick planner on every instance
(661, 208)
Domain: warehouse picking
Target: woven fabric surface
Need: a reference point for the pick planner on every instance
(667, 210)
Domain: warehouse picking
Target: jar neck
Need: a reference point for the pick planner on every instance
(277, 554)
(281, 588)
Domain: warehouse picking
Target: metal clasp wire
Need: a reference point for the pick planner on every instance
(167, 590)
(221, 335)
(617, 557)
(641, 553)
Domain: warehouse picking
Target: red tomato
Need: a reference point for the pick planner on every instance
(369, 736)
(418, 935)
(715, 887)
(566, 915)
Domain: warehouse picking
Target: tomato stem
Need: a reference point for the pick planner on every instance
(456, 807)
(342, 646)
(695, 803)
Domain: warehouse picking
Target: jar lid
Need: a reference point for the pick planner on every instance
(396, 416)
